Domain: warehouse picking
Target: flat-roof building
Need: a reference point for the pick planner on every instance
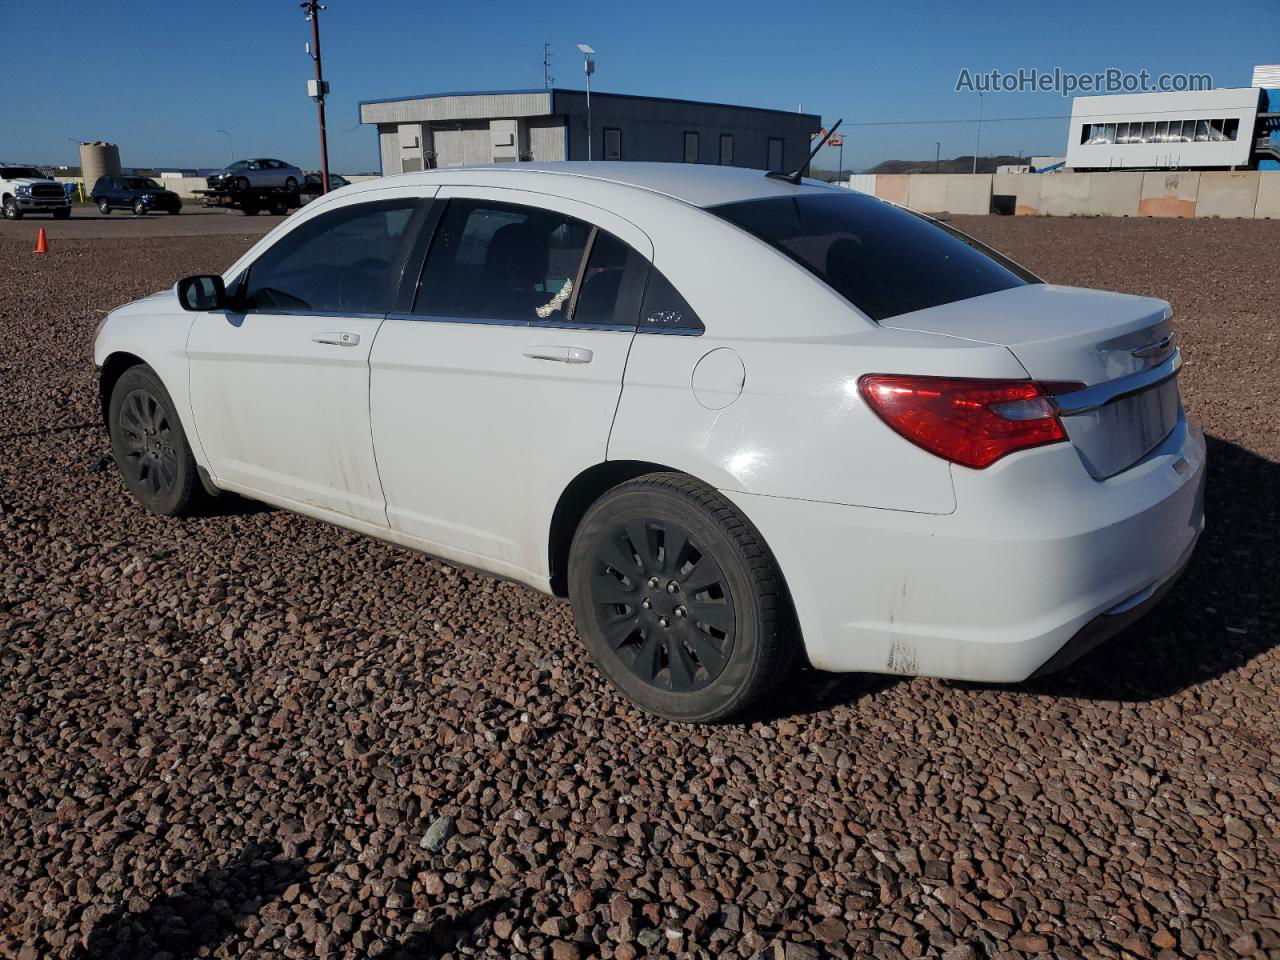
(458, 129)
(1227, 128)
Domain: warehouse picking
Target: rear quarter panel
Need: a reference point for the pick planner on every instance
(799, 428)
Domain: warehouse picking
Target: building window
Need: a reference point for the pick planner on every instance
(612, 143)
(775, 153)
(726, 149)
(690, 147)
(1163, 131)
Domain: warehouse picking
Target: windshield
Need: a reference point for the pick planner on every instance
(143, 183)
(19, 173)
(883, 259)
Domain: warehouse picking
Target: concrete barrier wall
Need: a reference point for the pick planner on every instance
(1166, 194)
(1118, 193)
(1023, 188)
(1268, 207)
(1115, 195)
(1228, 194)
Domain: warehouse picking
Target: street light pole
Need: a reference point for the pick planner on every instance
(937, 156)
(978, 146)
(313, 8)
(588, 67)
(231, 144)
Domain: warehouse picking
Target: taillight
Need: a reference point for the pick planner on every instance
(970, 422)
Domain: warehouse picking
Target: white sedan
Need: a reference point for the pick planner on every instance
(734, 419)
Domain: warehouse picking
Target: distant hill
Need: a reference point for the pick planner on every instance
(954, 165)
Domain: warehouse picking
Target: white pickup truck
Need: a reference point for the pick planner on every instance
(26, 190)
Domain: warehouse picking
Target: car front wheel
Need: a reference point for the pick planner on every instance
(11, 209)
(103, 207)
(678, 600)
(149, 445)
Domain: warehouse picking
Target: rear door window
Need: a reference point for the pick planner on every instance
(502, 262)
(884, 260)
(344, 261)
(612, 284)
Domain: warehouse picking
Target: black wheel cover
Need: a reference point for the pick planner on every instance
(147, 441)
(663, 605)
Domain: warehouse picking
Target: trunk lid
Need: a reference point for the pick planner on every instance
(1121, 346)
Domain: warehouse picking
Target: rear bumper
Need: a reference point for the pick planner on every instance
(1038, 563)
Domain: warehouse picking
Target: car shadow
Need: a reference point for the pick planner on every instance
(446, 934)
(200, 915)
(1222, 614)
(808, 691)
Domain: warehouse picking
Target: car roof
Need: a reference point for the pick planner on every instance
(702, 185)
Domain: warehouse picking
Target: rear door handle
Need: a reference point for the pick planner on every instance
(559, 354)
(339, 338)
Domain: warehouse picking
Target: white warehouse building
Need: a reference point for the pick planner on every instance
(1195, 130)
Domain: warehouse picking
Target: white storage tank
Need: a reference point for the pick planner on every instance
(98, 159)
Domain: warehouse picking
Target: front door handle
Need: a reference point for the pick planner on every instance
(560, 354)
(339, 338)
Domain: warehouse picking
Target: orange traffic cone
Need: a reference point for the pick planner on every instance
(42, 242)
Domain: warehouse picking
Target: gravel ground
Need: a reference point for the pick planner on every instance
(253, 735)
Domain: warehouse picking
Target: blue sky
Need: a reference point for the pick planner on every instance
(160, 79)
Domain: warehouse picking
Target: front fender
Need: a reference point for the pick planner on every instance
(155, 331)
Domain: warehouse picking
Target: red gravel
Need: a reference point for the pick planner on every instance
(253, 735)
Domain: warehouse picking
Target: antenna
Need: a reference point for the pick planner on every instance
(795, 175)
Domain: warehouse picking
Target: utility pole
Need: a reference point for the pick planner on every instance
(937, 156)
(978, 146)
(318, 88)
(547, 79)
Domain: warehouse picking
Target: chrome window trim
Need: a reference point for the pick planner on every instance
(543, 324)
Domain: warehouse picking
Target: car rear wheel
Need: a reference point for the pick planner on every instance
(103, 207)
(678, 600)
(149, 445)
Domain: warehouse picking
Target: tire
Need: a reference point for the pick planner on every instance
(280, 207)
(104, 208)
(11, 211)
(242, 184)
(250, 209)
(173, 211)
(139, 208)
(62, 214)
(149, 445)
(291, 184)
(629, 613)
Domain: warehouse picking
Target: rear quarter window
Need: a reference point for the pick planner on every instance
(884, 260)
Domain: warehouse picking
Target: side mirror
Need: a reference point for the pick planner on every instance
(202, 292)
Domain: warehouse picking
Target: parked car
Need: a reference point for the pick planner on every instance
(142, 195)
(256, 174)
(26, 190)
(311, 182)
(734, 419)
(311, 185)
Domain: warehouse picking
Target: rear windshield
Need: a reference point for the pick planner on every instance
(881, 258)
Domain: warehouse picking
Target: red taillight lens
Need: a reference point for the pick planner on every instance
(970, 422)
